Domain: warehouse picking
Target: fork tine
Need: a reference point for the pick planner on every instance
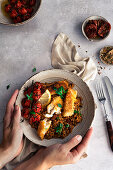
(98, 90)
(102, 92)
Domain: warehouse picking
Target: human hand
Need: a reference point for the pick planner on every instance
(59, 154)
(12, 142)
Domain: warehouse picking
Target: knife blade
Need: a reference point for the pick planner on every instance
(109, 88)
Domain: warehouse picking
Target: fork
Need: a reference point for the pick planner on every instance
(102, 99)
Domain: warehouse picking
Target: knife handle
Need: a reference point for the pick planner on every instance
(110, 133)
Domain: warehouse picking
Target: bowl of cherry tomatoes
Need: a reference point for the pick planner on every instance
(96, 28)
(18, 12)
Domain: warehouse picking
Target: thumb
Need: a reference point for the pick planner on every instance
(73, 142)
(17, 116)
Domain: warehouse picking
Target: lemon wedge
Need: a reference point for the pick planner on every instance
(45, 98)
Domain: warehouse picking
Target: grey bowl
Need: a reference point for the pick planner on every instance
(93, 18)
(7, 21)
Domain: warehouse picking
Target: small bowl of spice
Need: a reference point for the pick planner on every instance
(106, 55)
(96, 28)
(18, 12)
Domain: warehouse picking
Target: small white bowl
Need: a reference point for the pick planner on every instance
(102, 53)
(93, 18)
(7, 21)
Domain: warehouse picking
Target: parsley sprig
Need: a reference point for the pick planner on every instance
(29, 97)
(77, 112)
(59, 105)
(59, 128)
(60, 91)
(32, 112)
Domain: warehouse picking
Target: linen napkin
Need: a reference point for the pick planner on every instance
(64, 56)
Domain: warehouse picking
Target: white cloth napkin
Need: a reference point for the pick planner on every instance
(66, 57)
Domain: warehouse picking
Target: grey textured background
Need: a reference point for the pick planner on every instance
(25, 47)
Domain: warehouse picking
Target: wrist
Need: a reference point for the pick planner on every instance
(40, 163)
(3, 156)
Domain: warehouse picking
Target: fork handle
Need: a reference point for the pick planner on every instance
(110, 133)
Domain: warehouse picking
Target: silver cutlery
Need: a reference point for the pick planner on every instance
(109, 89)
(102, 99)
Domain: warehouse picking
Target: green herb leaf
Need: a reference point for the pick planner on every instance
(29, 97)
(76, 111)
(57, 118)
(32, 112)
(59, 105)
(60, 91)
(61, 125)
(54, 88)
(67, 125)
(8, 86)
(34, 69)
(59, 128)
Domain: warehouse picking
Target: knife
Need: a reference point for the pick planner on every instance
(109, 88)
(108, 123)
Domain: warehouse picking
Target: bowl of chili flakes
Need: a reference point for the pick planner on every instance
(18, 12)
(96, 28)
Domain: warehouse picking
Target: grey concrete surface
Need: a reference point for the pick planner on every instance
(25, 47)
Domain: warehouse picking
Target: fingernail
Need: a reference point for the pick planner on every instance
(16, 108)
(79, 137)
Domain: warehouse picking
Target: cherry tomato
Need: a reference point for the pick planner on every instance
(34, 119)
(36, 96)
(36, 107)
(30, 10)
(27, 16)
(23, 11)
(24, 2)
(25, 113)
(13, 1)
(32, 2)
(18, 5)
(37, 86)
(26, 103)
(28, 91)
(13, 13)
(37, 91)
(8, 8)
(17, 20)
